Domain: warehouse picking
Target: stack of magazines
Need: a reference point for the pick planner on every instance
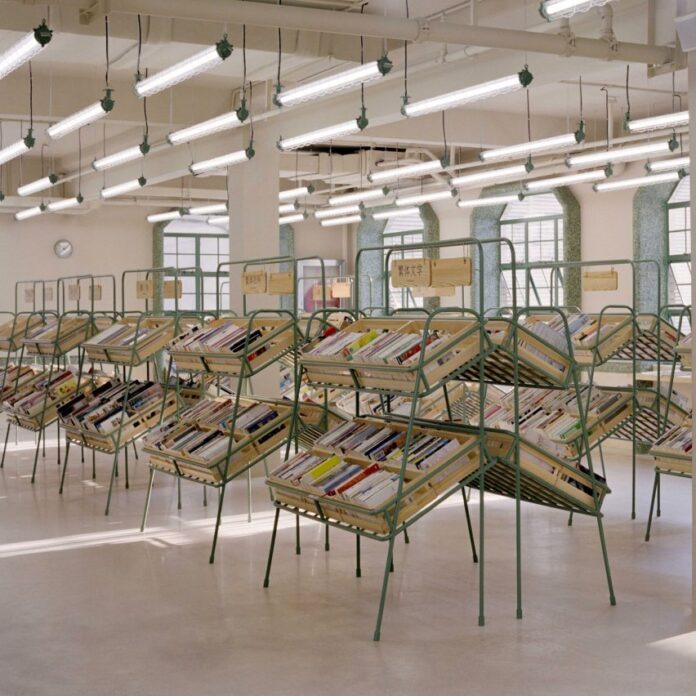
(223, 338)
(677, 440)
(30, 400)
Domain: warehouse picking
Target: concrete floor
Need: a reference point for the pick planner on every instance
(91, 606)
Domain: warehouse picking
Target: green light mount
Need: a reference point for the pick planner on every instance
(43, 34)
(107, 102)
(525, 76)
(529, 165)
(362, 119)
(580, 132)
(144, 147)
(224, 47)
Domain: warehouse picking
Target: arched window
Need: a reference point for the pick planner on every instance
(679, 244)
(397, 232)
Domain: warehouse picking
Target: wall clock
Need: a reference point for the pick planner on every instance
(63, 248)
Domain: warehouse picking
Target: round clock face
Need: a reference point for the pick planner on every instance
(63, 248)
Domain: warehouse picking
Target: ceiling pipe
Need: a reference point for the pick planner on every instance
(395, 28)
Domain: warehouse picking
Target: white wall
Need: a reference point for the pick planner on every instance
(107, 240)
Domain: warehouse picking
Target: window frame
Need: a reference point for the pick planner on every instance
(406, 293)
(671, 259)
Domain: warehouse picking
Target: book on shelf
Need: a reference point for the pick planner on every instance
(224, 338)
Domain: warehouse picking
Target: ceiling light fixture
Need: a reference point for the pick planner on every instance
(420, 198)
(179, 72)
(568, 179)
(166, 217)
(223, 161)
(619, 184)
(556, 9)
(652, 123)
(337, 212)
(489, 175)
(557, 142)
(212, 209)
(220, 220)
(412, 170)
(125, 187)
(25, 49)
(16, 149)
(322, 135)
(30, 212)
(394, 213)
(296, 193)
(668, 164)
(468, 95)
(491, 200)
(619, 154)
(85, 116)
(38, 185)
(359, 196)
(346, 220)
(335, 83)
(121, 157)
(200, 130)
(287, 208)
(289, 219)
(65, 203)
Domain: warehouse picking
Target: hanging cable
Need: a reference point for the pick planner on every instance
(405, 97)
(106, 37)
(628, 96)
(580, 132)
(147, 125)
(529, 165)
(140, 47)
(606, 111)
(79, 162)
(251, 115)
(676, 98)
(243, 110)
(280, 52)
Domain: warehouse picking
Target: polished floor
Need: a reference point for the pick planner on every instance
(91, 606)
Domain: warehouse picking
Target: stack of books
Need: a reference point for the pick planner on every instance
(146, 335)
(13, 377)
(223, 338)
(29, 401)
(677, 441)
(104, 409)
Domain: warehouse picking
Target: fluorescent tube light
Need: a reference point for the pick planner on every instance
(619, 154)
(567, 180)
(223, 161)
(165, 217)
(485, 202)
(290, 194)
(337, 212)
(125, 187)
(212, 209)
(335, 83)
(346, 220)
(395, 212)
(81, 118)
(420, 198)
(468, 95)
(25, 49)
(16, 149)
(200, 130)
(289, 219)
(38, 185)
(652, 123)
(557, 142)
(420, 169)
(30, 212)
(359, 196)
(219, 220)
(194, 65)
(619, 184)
(65, 203)
(320, 136)
(555, 9)
(668, 164)
(489, 175)
(287, 208)
(121, 157)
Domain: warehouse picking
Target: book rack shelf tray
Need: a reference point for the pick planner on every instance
(673, 451)
(458, 459)
(359, 365)
(544, 478)
(135, 424)
(198, 350)
(226, 459)
(131, 340)
(648, 345)
(12, 331)
(684, 352)
(57, 336)
(14, 377)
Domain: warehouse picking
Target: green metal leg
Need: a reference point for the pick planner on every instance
(58, 432)
(125, 449)
(601, 459)
(610, 584)
(385, 584)
(218, 521)
(178, 493)
(298, 550)
(4, 449)
(248, 495)
(82, 454)
(135, 451)
(114, 470)
(36, 455)
(481, 616)
(65, 467)
(94, 466)
(358, 569)
(205, 496)
(570, 519)
(147, 499)
(43, 442)
(659, 495)
(468, 524)
(327, 546)
(267, 577)
(407, 540)
(656, 486)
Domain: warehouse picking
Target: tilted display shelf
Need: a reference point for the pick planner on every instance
(58, 335)
(118, 343)
(670, 458)
(420, 487)
(277, 336)
(246, 449)
(442, 362)
(648, 347)
(12, 331)
(14, 377)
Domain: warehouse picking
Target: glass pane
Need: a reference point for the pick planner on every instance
(170, 260)
(187, 302)
(169, 244)
(186, 261)
(186, 245)
(209, 264)
(208, 245)
(210, 284)
(188, 284)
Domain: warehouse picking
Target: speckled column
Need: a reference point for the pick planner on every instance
(572, 245)
(286, 247)
(158, 262)
(371, 263)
